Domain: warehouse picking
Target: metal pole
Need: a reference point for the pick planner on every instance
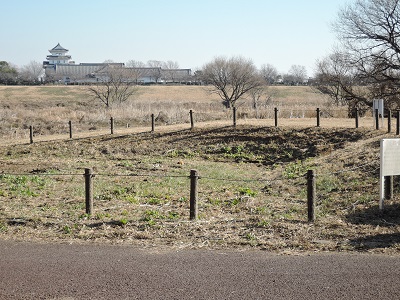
(318, 115)
(152, 123)
(112, 125)
(390, 121)
(388, 187)
(276, 116)
(376, 119)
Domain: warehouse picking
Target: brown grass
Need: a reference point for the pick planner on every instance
(252, 191)
(49, 108)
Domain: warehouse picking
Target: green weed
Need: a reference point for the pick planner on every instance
(150, 216)
(116, 192)
(123, 221)
(328, 184)
(22, 185)
(131, 199)
(173, 215)
(239, 153)
(295, 169)
(263, 224)
(250, 236)
(183, 199)
(67, 229)
(215, 201)
(3, 227)
(247, 192)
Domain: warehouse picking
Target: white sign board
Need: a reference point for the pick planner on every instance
(390, 163)
(377, 104)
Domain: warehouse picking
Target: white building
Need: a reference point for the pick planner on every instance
(58, 56)
(59, 67)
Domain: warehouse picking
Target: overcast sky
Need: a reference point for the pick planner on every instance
(190, 32)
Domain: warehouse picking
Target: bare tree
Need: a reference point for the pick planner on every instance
(169, 71)
(231, 78)
(269, 73)
(135, 64)
(338, 79)
(258, 95)
(369, 31)
(115, 84)
(32, 72)
(137, 69)
(155, 71)
(298, 74)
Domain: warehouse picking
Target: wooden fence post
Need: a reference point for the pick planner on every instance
(390, 121)
(311, 193)
(193, 194)
(234, 116)
(318, 116)
(276, 116)
(31, 134)
(70, 129)
(357, 115)
(152, 123)
(191, 119)
(89, 191)
(112, 125)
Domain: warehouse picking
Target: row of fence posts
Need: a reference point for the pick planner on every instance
(389, 121)
(153, 120)
(194, 178)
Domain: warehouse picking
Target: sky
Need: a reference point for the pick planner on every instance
(189, 32)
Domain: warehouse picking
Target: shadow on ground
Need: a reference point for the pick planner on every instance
(389, 218)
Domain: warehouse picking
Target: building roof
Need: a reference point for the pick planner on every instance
(58, 47)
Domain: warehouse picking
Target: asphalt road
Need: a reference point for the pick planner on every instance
(57, 271)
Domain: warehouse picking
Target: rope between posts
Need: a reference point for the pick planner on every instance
(141, 175)
(267, 180)
(41, 174)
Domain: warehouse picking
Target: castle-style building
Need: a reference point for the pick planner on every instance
(59, 68)
(58, 56)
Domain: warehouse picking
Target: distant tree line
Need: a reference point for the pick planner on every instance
(297, 74)
(29, 74)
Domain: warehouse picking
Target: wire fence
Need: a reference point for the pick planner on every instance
(303, 117)
(301, 180)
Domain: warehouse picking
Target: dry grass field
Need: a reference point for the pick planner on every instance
(49, 108)
(252, 186)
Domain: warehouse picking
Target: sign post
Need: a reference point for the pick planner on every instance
(377, 106)
(390, 164)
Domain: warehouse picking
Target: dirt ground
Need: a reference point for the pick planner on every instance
(252, 189)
